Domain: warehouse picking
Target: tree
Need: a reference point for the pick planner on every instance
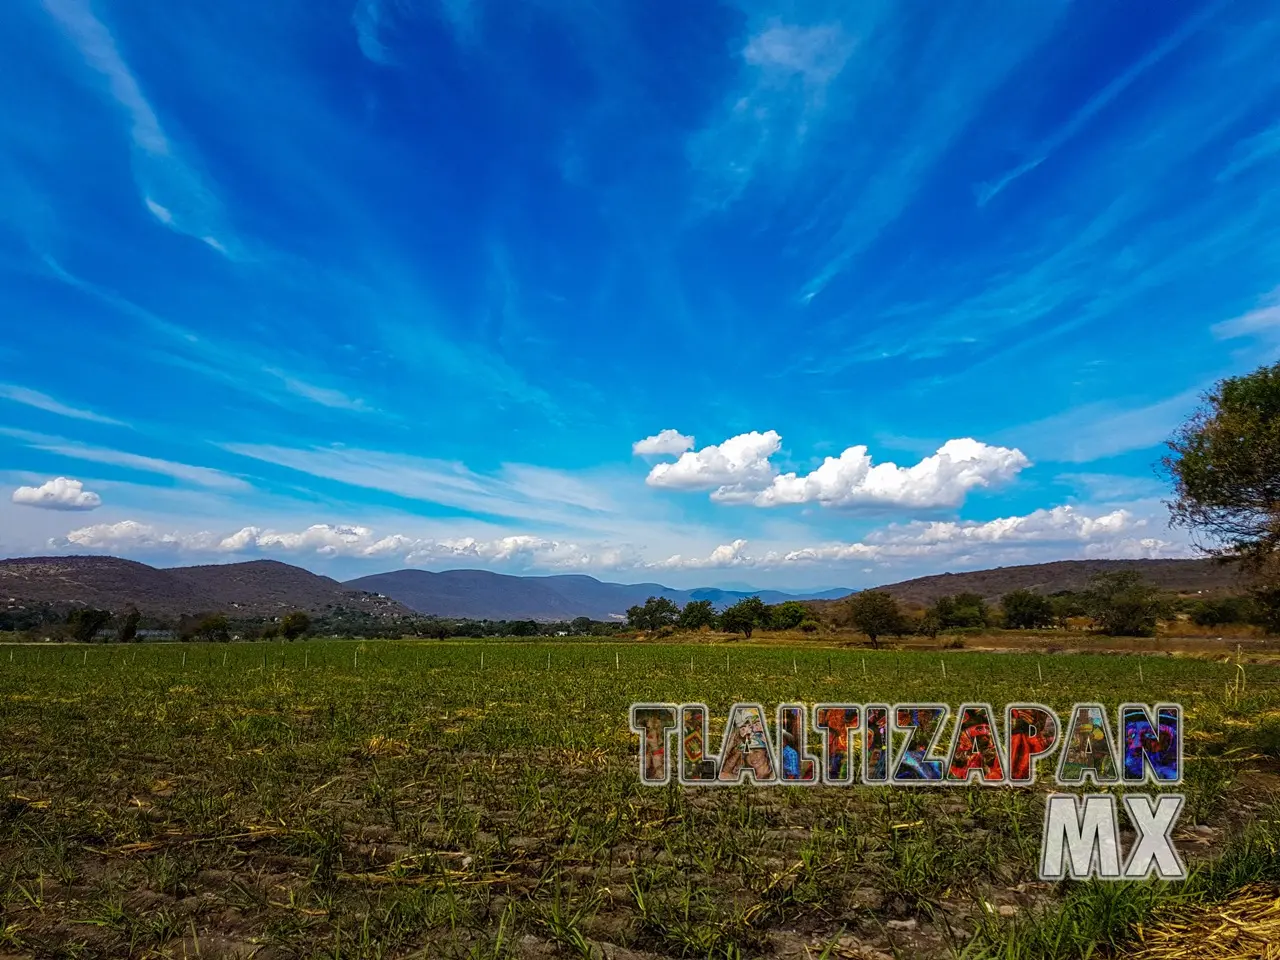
(1026, 610)
(1225, 466)
(294, 625)
(930, 624)
(84, 623)
(1122, 604)
(522, 628)
(787, 615)
(696, 615)
(213, 629)
(127, 632)
(1214, 612)
(580, 626)
(1067, 604)
(961, 610)
(745, 616)
(875, 613)
(657, 612)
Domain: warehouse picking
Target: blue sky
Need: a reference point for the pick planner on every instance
(782, 294)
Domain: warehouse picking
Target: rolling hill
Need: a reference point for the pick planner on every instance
(1177, 576)
(258, 588)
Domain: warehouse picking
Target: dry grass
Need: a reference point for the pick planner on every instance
(1246, 927)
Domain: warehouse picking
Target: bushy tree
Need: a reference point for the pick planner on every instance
(1026, 610)
(1224, 463)
(745, 616)
(127, 631)
(83, 623)
(580, 626)
(696, 615)
(1225, 466)
(876, 614)
(1217, 611)
(1067, 604)
(787, 615)
(294, 625)
(657, 612)
(961, 610)
(1122, 604)
(213, 629)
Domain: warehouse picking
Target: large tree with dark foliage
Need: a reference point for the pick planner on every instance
(83, 623)
(127, 632)
(745, 616)
(1026, 610)
(657, 612)
(875, 613)
(1122, 604)
(1225, 466)
(697, 614)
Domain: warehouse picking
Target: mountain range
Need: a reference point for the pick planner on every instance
(480, 594)
(257, 588)
(268, 588)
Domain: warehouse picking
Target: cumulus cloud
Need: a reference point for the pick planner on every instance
(941, 480)
(726, 555)
(739, 471)
(740, 462)
(353, 541)
(1058, 533)
(1065, 530)
(130, 534)
(664, 443)
(58, 494)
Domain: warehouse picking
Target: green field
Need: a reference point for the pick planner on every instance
(392, 799)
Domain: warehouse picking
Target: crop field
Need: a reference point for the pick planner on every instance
(418, 799)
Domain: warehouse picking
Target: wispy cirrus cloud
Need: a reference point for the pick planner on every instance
(517, 490)
(42, 401)
(1104, 429)
(171, 189)
(188, 473)
(1100, 101)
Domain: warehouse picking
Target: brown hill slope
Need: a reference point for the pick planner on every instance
(1179, 576)
(104, 582)
(259, 588)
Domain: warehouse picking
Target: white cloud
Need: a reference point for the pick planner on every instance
(726, 555)
(1057, 533)
(42, 401)
(739, 471)
(526, 492)
(788, 69)
(132, 535)
(325, 396)
(1145, 548)
(353, 541)
(201, 476)
(1097, 430)
(58, 494)
(849, 480)
(739, 462)
(664, 443)
(1263, 321)
(171, 190)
